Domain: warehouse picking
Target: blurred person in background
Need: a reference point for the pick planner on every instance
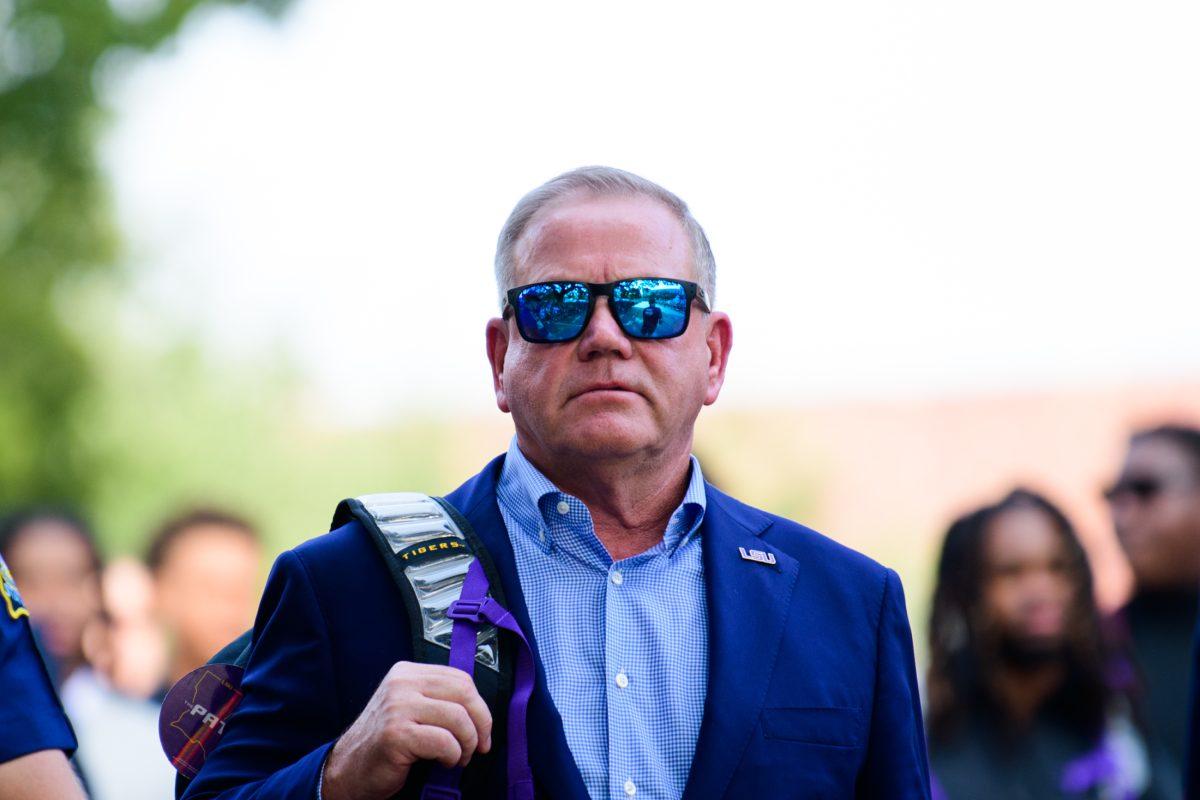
(53, 552)
(1019, 705)
(1155, 506)
(137, 645)
(35, 737)
(206, 564)
(119, 751)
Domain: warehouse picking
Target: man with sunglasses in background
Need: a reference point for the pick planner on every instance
(687, 645)
(1155, 506)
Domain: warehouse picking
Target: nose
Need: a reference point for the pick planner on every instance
(1124, 512)
(603, 336)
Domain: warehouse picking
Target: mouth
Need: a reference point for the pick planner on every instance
(605, 388)
(1045, 621)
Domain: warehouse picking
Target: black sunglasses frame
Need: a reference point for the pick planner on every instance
(692, 291)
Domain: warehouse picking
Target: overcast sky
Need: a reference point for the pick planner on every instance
(903, 199)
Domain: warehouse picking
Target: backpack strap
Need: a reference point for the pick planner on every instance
(471, 610)
(428, 546)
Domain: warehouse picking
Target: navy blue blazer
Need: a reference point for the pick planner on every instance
(812, 689)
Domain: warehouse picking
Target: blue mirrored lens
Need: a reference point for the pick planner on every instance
(552, 312)
(651, 308)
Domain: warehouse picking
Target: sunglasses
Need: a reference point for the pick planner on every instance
(1141, 489)
(644, 308)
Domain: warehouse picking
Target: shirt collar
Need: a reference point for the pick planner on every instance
(531, 499)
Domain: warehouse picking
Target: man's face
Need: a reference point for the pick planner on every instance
(1157, 518)
(1028, 592)
(207, 588)
(57, 577)
(605, 395)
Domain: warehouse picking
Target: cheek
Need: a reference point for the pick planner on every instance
(1181, 518)
(679, 372)
(997, 600)
(529, 376)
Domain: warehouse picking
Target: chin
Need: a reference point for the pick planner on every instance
(600, 438)
(1032, 651)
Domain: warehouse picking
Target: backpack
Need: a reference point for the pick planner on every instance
(455, 606)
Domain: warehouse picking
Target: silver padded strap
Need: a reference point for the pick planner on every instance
(434, 556)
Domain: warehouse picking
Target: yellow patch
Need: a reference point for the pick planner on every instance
(12, 598)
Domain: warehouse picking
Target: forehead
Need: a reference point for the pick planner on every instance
(603, 238)
(202, 539)
(1022, 535)
(50, 538)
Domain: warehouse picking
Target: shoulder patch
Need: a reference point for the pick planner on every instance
(12, 598)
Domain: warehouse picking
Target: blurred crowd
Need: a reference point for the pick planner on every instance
(115, 637)
(1030, 692)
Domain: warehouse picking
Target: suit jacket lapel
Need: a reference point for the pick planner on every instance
(553, 765)
(748, 604)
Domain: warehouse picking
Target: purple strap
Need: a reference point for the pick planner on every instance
(469, 611)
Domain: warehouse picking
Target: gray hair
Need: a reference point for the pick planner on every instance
(599, 181)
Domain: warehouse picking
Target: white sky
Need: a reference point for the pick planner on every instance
(903, 199)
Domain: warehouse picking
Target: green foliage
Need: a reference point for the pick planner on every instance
(56, 227)
(190, 432)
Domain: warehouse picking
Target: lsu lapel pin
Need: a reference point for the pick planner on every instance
(757, 556)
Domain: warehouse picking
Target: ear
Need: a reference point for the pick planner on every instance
(497, 348)
(719, 340)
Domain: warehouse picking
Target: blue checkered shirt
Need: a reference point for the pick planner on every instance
(624, 643)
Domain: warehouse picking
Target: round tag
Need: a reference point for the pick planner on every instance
(194, 713)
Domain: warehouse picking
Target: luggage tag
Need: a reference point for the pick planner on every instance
(193, 715)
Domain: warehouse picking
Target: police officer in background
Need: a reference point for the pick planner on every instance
(35, 737)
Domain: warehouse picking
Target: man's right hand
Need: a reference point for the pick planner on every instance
(420, 712)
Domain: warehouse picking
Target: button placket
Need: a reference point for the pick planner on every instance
(616, 706)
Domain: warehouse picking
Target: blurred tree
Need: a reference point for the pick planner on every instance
(56, 225)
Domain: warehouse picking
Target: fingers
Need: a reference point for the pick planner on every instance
(431, 743)
(451, 717)
(454, 686)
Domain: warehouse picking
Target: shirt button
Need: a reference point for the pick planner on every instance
(563, 506)
(542, 536)
(618, 578)
(630, 789)
(623, 681)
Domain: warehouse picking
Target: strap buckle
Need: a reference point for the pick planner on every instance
(471, 610)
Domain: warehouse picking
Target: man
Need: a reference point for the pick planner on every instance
(1156, 511)
(54, 554)
(686, 645)
(1019, 705)
(35, 737)
(651, 316)
(205, 563)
